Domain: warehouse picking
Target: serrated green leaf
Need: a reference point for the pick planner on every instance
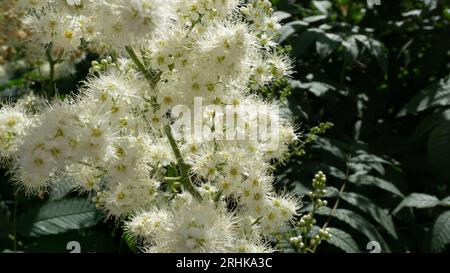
(61, 189)
(435, 95)
(56, 217)
(357, 222)
(375, 181)
(417, 200)
(343, 240)
(366, 161)
(378, 214)
(440, 237)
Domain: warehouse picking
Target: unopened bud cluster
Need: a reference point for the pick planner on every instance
(101, 66)
(309, 234)
(319, 184)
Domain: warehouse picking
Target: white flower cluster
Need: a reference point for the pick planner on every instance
(67, 24)
(114, 137)
(13, 123)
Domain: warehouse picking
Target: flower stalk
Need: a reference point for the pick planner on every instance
(185, 178)
(52, 63)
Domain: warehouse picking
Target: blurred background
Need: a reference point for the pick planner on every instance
(371, 96)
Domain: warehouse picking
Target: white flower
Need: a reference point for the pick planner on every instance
(13, 125)
(109, 139)
(195, 227)
(129, 196)
(145, 225)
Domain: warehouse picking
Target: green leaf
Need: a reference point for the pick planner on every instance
(440, 237)
(326, 44)
(376, 49)
(417, 200)
(301, 189)
(445, 202)
(335, 172)
(61, 189)
(56, 217)
(330, 146)
(367, 162)
(415, 12)
(429, 123)
(130, 241)
(435, 95)
(375, 181)
(351, 49)
(315, 18)
(343, 240)
(380, 215)
(305, 40)
(290, 28)
(322, 6)
(317, 88)
(358, 223)
(438, 147)
(281, 15)
(363, 156)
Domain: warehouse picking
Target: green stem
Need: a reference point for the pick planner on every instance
(51, 79)
(139, 63)
(172, 179)
(336, 205)
(184, 169)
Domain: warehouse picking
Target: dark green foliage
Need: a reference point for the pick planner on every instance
(381, 76)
